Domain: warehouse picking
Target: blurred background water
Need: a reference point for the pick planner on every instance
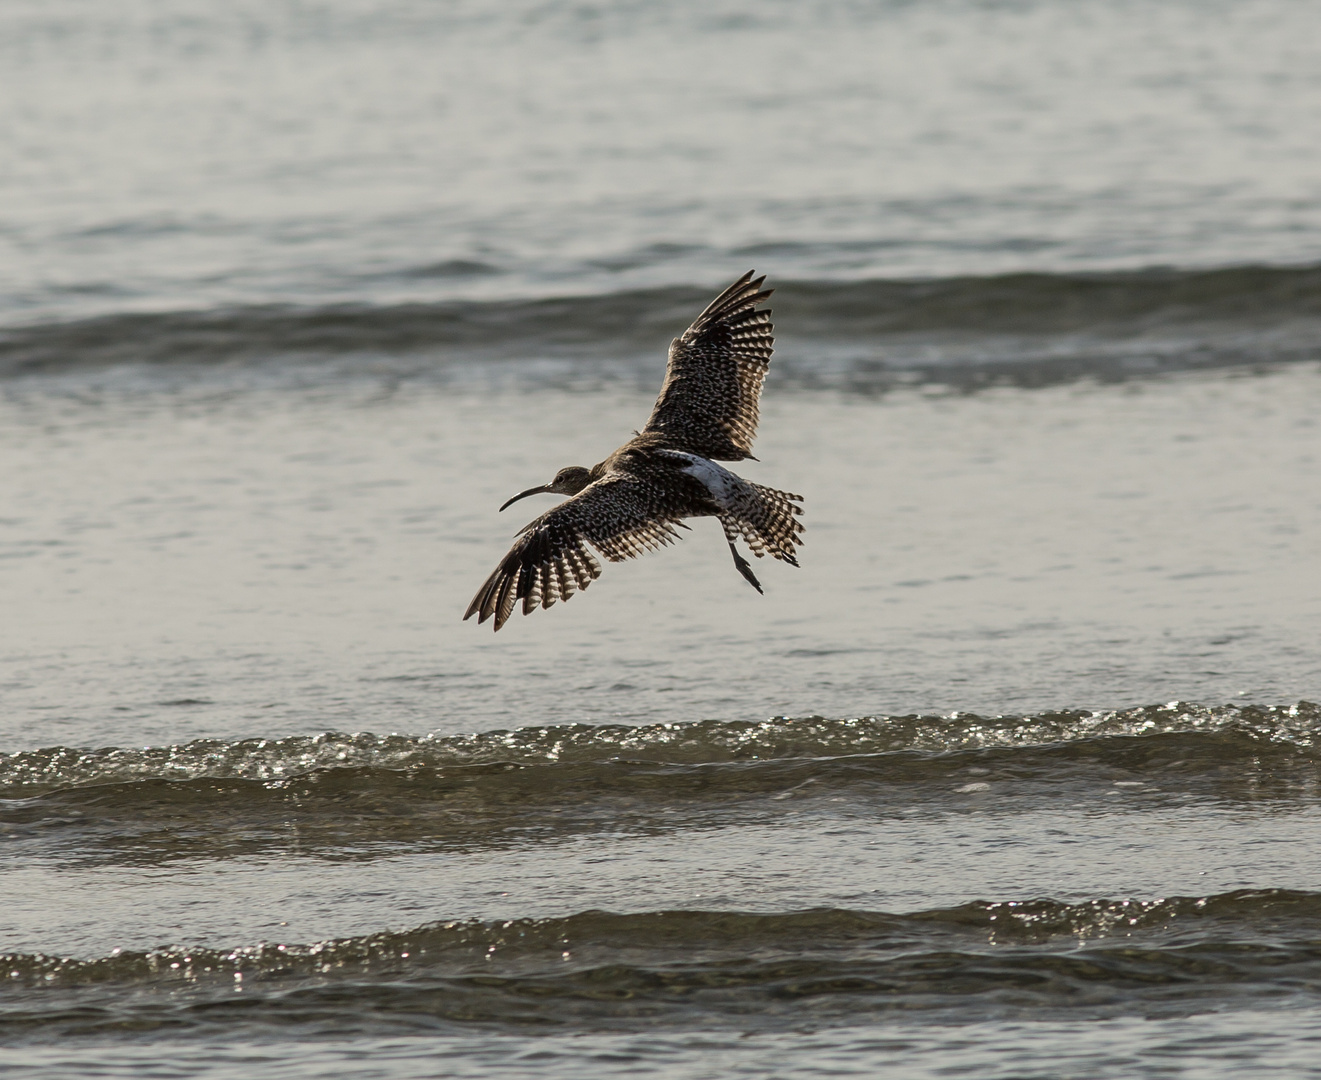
(177, 155)
(1016, 776)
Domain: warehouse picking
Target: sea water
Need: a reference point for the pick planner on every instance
(1016, 776)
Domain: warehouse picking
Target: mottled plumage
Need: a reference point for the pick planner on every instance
(708, 403)
(631, 502)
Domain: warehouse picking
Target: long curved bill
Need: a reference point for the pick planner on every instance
(525, 494)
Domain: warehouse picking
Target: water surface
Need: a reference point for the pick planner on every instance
(1017, 776)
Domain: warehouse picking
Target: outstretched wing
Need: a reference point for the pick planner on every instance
(620, 515)
(708, 405)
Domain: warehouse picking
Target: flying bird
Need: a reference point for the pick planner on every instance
(631, 502)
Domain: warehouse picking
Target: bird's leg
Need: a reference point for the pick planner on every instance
(745, 568)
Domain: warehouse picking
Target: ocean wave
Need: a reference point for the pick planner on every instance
(1025, 329)
(364, 797)
(1291, 728)
(595, 968)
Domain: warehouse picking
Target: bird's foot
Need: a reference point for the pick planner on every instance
(745, 568)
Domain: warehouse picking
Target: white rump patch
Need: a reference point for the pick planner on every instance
(719, 481)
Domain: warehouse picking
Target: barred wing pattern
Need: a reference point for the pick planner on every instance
(620, 515)
(709, 402)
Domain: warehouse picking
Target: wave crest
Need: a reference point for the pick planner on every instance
(702, 938)
(1293, 727)
(1023, 329)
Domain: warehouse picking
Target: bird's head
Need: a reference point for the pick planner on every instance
(568, 481)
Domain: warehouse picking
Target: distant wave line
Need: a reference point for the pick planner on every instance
(1272, 313)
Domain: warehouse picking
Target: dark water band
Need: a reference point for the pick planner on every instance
(1048, 327)
(597, 969)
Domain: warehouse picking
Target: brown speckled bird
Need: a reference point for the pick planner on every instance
(630, 502)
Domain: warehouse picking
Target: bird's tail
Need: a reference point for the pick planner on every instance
(766, 519)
